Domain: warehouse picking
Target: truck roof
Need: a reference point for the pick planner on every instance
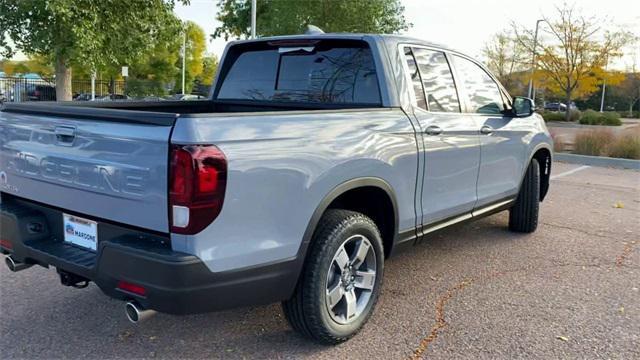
(390, 39)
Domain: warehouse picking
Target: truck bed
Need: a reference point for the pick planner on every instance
(162, 112)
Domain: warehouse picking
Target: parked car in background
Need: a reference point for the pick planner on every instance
(24, 90)
(82, 97)
(555, 106)
(184, 97)
(41, 92)
(112, 97)
(558, 106)
(316, 158)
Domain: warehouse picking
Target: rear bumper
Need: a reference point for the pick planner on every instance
(174, 282)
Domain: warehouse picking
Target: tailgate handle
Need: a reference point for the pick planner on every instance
(65, 134)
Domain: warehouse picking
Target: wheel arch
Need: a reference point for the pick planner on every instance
(360, 186)
(544, 155)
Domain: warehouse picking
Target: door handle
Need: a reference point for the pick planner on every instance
(486, 129)
(433, 130)
(65, 135)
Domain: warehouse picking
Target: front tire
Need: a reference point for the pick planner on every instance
(523, 216)
(341, 280)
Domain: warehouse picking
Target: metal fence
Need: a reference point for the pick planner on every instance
(16, 89)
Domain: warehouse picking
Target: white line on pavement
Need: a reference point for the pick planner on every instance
(572, 171)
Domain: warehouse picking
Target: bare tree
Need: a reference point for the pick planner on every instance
(506, 57)
(629, 89)
(571, 58)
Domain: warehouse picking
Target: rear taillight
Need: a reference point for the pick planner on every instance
(6, 244)
(198, 176)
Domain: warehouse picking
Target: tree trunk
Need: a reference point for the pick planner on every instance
(567, 114)
(63, 80)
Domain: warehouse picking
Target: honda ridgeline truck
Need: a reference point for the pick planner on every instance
(315, 159)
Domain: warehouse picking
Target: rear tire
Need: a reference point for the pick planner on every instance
(341, 280)
(523, 216)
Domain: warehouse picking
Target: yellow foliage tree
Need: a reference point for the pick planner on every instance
(572, 57)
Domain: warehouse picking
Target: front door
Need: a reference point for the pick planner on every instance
(503, 138)
(451, 144)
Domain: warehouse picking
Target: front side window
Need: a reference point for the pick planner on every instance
(330, 72)
(484, 94)
(437, 80)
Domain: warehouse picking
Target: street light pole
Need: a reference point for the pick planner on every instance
(604, 84)
(533, 60)
(253, 18)
(184, 56)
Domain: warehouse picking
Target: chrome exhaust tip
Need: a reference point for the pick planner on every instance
(15, 265)
(136, 313)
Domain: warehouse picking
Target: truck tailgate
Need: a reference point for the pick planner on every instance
(105, 168)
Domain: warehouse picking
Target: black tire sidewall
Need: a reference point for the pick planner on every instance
(360, 225)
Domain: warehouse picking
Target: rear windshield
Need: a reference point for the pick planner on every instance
(331, 72)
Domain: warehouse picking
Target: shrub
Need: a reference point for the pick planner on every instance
(626, 146)
(574, 115)
(594, 142)
(552, 116)
(591, 117)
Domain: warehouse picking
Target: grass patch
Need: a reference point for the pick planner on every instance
(558, 142)
(594, 142)
(626, 146)
(603, 142)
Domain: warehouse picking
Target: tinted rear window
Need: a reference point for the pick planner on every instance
(329, 72)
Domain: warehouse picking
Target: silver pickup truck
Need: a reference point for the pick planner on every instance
(316, 158)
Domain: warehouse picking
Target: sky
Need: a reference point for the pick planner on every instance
(463, 25)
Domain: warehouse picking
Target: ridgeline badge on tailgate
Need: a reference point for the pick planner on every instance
(107, 178)
(4, 183)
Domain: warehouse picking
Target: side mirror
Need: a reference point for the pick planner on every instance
(523, 106)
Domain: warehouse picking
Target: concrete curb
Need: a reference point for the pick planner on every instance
(597, 161)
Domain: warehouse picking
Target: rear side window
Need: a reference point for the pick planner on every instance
(332, 72)
(484, 94)
(437, 80)
(415, 79)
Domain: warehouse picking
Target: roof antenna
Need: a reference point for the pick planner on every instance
(313, 30)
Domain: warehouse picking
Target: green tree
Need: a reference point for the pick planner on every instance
(209, 68)
(571, 58)
(278, 17)
(36, 64)
(195, 48)
(87, 33)
(628, 90)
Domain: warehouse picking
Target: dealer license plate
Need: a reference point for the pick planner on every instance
(81, 232)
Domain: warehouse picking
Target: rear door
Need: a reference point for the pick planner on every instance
(451, 141)
(108, 168)
(502, 139)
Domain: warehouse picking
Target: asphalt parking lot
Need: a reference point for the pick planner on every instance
(570, 290)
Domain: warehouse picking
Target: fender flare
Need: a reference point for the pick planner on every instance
(329, 198)
(343, 188)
